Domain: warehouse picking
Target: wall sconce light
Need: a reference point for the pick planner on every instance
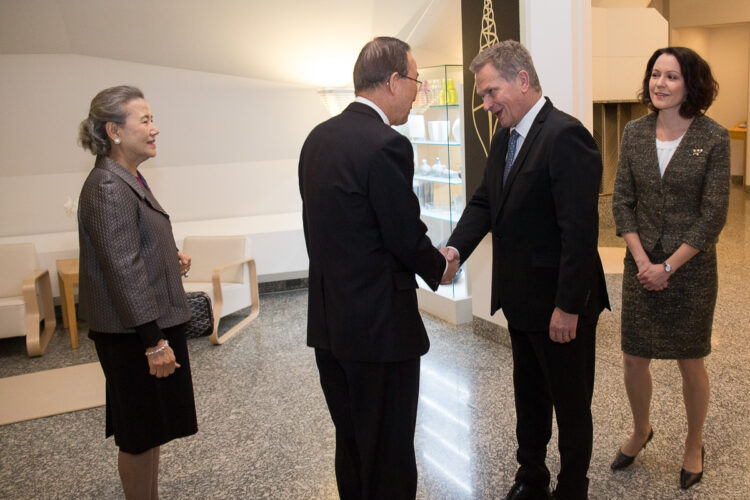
(335, 100)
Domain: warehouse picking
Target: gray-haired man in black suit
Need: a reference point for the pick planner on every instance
(539, 199)
(366, 243)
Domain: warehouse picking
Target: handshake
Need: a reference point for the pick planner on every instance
(454, 261)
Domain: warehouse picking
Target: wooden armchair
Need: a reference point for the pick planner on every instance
(26, 307)
(221, 268)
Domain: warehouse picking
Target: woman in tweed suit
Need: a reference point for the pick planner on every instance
(131, 292)
(670, 203)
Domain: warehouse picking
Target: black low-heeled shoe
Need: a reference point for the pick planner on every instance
(687, 479)
(622, 460)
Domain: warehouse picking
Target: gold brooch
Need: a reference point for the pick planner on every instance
(697, 151)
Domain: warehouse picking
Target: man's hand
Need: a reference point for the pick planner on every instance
(453, 259)
(562, 326)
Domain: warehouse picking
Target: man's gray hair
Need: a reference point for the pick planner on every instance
(508, 57)
(377, 60)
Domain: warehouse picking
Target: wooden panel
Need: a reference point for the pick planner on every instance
(610, 119)
(610, 138)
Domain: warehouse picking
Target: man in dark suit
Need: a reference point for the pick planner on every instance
(366, 242)
(539, 198)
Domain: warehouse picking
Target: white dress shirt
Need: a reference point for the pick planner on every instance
(366, 101)
(524, 125)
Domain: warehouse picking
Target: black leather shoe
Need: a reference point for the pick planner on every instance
(523, 491)
(687, 479)
(622, 460)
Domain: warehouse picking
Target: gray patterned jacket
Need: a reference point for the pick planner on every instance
(689, 203)
(129, 269)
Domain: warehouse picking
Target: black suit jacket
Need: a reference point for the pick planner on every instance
(364, 239)
(544, 223)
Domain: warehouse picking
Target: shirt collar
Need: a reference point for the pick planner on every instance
(366, 101)
(524, 125)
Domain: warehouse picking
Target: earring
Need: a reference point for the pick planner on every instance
(117, 140)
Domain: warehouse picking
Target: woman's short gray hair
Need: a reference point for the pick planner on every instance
(107, 106)
(377, 60)
(508, 57)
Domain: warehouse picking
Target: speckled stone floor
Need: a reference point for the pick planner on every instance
(265, 431)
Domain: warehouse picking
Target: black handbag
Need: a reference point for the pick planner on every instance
(202, 322)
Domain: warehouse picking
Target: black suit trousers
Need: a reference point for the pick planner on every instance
(374, 410)
(549, 375)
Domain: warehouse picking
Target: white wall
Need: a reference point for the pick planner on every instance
(558, 35)
(228, 145)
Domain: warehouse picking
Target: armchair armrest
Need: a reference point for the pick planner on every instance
(219, 302)
(36, 343)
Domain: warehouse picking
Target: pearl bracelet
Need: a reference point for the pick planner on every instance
(159, 349)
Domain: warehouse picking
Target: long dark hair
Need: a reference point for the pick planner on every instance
(700, 86)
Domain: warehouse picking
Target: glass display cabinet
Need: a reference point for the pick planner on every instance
(435, 130)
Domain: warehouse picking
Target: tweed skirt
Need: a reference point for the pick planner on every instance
(144, 411)
(674, 323)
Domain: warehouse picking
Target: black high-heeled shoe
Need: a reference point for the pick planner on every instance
(687, 479)
(622, 460)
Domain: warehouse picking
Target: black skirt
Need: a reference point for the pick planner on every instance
(144, 411)
(674, 323)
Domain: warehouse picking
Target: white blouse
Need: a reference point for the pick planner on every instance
(665, 150)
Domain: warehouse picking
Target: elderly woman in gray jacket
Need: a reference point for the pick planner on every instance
(670, 203)
(130, 290)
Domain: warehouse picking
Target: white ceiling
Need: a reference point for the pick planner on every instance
(302, 42)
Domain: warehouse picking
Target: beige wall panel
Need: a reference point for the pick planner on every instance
(618, 79)
(695, 38)
(623, 40)
(728, 57)
(727, 50)
(685, 13)
(627, 32)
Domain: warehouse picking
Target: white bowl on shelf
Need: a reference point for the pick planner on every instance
(438, 130)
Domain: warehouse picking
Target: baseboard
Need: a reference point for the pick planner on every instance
(283, 285)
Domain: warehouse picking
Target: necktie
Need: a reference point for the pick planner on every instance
(512, 143)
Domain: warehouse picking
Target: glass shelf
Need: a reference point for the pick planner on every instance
(441, 180)
(440, 214)
(426, 142)
(435, 131)
(421, 109)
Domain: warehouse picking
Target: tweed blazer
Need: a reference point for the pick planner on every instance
(129, 269)
(689, 203)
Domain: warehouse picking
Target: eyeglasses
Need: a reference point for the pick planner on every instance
(410, 78)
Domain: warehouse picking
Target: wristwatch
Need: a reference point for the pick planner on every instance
(667, 267)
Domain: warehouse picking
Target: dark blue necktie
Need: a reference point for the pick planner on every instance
(512, 144)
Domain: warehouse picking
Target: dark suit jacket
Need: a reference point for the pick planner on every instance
(129, 269)
(689, 204)
(365, 240)
(544, 223)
